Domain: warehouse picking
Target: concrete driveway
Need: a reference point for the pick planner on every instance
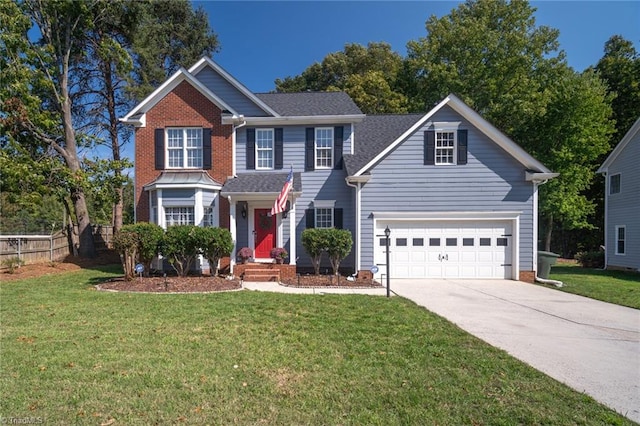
(591, 346)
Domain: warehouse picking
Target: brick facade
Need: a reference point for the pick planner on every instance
(184, 106)
(528, 276)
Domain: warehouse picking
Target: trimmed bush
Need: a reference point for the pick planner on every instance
(181, 245)
(338, 246)
(125, 242)
(149, 238)
(217, 243)
(314, 243)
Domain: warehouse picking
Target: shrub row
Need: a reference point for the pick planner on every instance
(336, 243)
(180, 244)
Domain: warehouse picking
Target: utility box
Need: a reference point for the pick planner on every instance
(545, 260)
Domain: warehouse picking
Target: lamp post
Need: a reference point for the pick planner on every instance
(387, 232)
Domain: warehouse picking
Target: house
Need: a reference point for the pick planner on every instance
(622, 203)
(458, 196)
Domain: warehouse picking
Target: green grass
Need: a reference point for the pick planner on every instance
(619, 287)
(71, 354)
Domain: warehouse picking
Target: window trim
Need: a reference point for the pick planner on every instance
(454, 153)
(193, 215)
(619, 187)
(185, 149)
(330, 148)
(331, 213)
(617, 240)
(272, 149)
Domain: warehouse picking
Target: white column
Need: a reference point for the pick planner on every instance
(292, 233)
(358, 227)
(198, 208)
(161, 217)
(232, 229)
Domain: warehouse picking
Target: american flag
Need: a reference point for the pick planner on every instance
(281, 202)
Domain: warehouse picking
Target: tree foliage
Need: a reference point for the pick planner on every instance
(181, 245)
(620, 69)
(338, 243)
(149, 238)
(314, 244)
(367, 74)
(216, 244)
(126, 242)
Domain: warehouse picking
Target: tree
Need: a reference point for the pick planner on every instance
(216, 244)
(493, 56)
(367, 74)
(620, 69)
(338, 243)
(38, 108)
(314, 244)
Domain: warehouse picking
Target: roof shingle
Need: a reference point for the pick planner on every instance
(260, 182)
(310, 103)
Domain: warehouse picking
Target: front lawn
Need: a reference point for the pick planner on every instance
(619, 287)
(71, 354)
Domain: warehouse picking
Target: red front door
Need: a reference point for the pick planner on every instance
(265, 232)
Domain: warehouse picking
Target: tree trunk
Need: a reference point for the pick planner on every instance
(117, 211)
(85, 233)
(113, 136)
(548, 231)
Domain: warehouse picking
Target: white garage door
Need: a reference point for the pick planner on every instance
(446, 249)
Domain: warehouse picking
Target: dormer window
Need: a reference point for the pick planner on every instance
(184, 148)
(445, 145)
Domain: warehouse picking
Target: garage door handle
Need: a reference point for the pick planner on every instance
(440, 257)
(446, 257)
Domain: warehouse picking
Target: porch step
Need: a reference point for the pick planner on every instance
(261, 275)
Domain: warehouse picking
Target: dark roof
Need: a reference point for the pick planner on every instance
(267, 182)
(310, 103)
(374, 134)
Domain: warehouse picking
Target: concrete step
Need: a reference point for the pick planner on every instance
(273, 277)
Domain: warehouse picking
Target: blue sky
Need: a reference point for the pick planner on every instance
(265, 40)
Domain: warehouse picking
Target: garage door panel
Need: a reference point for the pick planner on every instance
(446, 249)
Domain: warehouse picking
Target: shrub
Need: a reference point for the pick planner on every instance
(181, 245)
(591, 259)
(217, 243)
(149, 238)
(245, 253)
(125, 243)
(278, 253)
(338, 246)
(12, 263)
(314, 243)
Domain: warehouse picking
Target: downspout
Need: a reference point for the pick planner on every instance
(357, 187)
(537, 278)
(241, 123)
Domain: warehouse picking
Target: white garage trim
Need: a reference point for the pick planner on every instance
(511, 217)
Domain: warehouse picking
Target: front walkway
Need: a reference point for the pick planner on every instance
(275, 287)
(591, 346)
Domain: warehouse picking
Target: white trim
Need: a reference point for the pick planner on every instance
(358, 226)
(166, 88)
(448, 215)
(620, 147)
(511, 216)
(324, 204)
(308, 120)
(251, 214)
(184, 148)
(352, 137)
(234, 233)
(330, 149)
(535, 227)
(535, 177)
(205, 61)
(292, 235)
(273, 148)
(476, 120)
(153, 186)
(454, 155)
(607, 250)
(616, 239)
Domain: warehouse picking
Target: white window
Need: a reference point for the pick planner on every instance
(445, 147)
(324, 148)
(178, 216)
(264, 149)
(324, 217)
(184, 148)
(614, 184)
(208, 217)
(620, 239)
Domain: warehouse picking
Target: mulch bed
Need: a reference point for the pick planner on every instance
(328, 281)
(201, 284)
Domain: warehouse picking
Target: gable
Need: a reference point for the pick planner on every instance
(632, 135)
(474, 120)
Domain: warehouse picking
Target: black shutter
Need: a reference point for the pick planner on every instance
(206, 149)
(430, 147)
(462, 146)
(251, 149)
(310, 218)
(337, 218)
(338, 139)
(309, 150)
(159, 148)
(277, 144)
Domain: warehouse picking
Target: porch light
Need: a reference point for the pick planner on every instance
(244, 211)
(285, 213)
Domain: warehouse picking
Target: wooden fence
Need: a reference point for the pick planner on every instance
(49, 248)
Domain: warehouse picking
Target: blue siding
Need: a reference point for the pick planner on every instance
(491, 181)
(624, 208)
(316, 185)
(228, 93)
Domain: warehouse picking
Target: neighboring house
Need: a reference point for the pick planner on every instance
(458, 196)
(622, 202)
